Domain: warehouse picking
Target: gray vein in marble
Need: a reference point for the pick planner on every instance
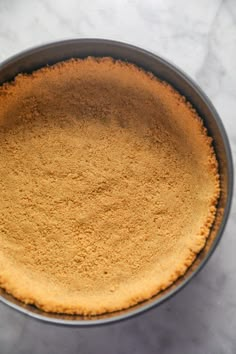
(211, 63)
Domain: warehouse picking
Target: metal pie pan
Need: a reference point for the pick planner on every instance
(51, 53)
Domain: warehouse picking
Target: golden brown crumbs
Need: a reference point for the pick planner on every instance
(108, 186)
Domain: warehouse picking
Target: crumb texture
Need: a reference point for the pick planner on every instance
(108, 186)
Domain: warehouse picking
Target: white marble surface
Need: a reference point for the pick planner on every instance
(200, 37)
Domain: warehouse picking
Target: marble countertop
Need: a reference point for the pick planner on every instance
(200, 37)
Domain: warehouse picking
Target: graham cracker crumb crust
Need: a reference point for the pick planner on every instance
(108, 186)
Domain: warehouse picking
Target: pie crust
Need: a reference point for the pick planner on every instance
(108, 186)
